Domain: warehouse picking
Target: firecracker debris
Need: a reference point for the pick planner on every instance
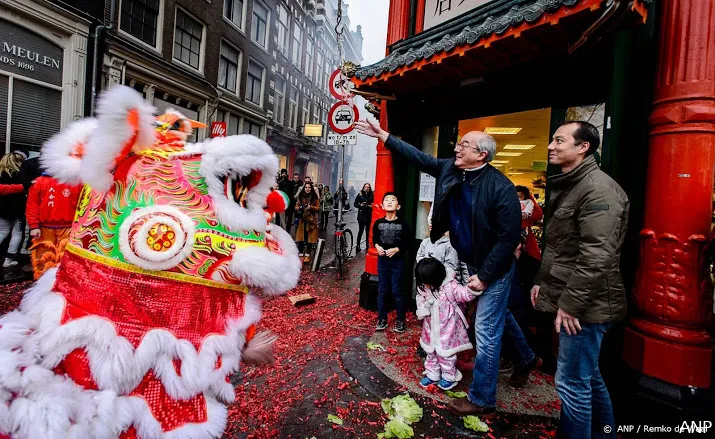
(322, 367)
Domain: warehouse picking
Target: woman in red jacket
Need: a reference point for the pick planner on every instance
(50, 211)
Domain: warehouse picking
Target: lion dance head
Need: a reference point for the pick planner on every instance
(149, 311)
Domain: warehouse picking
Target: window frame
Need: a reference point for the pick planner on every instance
(251, 123)
(309, 58)
(248, 82)
(306, 111)
(297, 48)
(283, 26)
(282, 93)
(266, 24)
(159, 29)
(293, 116)
(239, 73)
(243, 16)
(202, 45)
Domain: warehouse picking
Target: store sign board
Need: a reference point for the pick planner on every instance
(218, 129)
(342, 139)
(439, 11)
(427, 186)
(28, 54)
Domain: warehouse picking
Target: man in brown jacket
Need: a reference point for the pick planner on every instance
(580, 280)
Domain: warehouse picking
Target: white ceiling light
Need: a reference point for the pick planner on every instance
(522, 147)
(509, 154)
(501, 130)
(500, 162)
(516, 173)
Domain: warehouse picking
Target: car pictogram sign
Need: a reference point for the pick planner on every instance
(340, 85)
(342, 117)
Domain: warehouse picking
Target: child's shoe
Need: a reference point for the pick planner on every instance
(426, 382)
(447, 385)
(399, 326)
(381, 325)
(9, 263)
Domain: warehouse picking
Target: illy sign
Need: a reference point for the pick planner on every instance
(218, 129)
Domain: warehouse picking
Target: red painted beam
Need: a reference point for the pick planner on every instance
(669, 338)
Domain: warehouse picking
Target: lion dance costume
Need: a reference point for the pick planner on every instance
(136, 331)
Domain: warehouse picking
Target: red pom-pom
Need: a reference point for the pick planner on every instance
(276, 202)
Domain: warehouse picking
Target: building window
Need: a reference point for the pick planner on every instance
(187, 40)
(140, 18)
(282, 28)
(232, 127)
(293, 109)
(328, 72)
(259, 32)
(251, 128)
(233, 10)
(306, 111)
(220, 116)
(297, 44)
(319, 69)
(254, 83)
(228, 68)
(309, 59)
(315, 113)
(279, 100)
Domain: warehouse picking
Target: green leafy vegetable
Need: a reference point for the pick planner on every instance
(402, 411)
(455, 394)
(335, 420)
(398, 429)
(474, 423)
(374, 346)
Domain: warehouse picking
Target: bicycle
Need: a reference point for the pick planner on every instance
(343, 248)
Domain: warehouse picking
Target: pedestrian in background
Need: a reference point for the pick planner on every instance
(363, 203)
(326, 205)
(580, 278)
(12, 210)
(307, 209)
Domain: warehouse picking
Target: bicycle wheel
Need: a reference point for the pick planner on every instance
(348, 236)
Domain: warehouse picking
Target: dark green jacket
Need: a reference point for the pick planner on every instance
(586, 223)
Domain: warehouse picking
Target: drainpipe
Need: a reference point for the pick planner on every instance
(98, 31)
(611, 8)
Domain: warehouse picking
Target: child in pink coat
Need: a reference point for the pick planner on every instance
(440, 303)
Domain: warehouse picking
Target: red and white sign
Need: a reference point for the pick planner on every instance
(218, 129)
(342, 117)
(341, 87)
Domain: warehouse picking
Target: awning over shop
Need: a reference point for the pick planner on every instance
(498, 34)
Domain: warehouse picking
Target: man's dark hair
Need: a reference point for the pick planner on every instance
(295, 173)
(284, 171)
(524, 190)
(586, 132)
(430, 271)
(387, 194)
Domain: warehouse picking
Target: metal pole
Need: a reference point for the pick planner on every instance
(341, 187)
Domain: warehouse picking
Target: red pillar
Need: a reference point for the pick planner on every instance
(668, 337)
(384, 182)
(398, 27)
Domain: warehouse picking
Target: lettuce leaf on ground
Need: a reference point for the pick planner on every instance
(474, 423)
(455, 394)
(335, 420)
(374, 346)
(402, 411)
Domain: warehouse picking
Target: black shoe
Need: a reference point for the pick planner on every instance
(399, 326)
(381, 325)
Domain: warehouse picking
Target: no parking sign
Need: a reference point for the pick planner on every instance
(342, 117)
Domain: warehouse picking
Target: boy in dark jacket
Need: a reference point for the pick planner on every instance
(391, 236)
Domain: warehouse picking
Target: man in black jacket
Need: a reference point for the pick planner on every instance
(479, 207)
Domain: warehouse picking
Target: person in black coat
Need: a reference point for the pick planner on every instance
(363, 203)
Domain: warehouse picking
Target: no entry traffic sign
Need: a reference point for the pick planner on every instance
(342, 117)
(340, 85)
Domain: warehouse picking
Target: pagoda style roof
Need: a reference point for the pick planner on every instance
(478, 28)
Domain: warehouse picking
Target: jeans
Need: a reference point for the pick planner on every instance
(492, 318)
(12, 228)
(363, 227)
(585, 404)
(389, 276)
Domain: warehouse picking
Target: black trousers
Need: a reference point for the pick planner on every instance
(289, 218)
(324, 219)
(363, 227)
